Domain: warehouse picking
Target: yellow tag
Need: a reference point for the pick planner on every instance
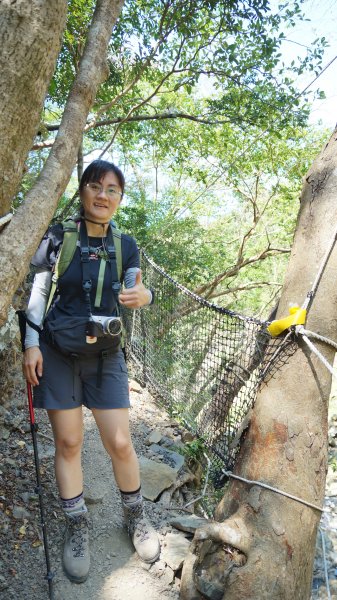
(297, 316)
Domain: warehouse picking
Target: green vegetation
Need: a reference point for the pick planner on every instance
(205, 118)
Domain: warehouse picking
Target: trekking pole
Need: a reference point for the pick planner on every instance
(38, 489)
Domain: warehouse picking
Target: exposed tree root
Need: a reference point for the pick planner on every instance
(216, 549)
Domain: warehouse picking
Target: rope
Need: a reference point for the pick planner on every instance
(5, 219)
(199, 299)
(301, 331)
(276, 490)
(319, 337)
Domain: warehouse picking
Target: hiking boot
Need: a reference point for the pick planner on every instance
(76, 556)
(142, 534)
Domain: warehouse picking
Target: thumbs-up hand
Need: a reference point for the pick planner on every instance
(136, 296)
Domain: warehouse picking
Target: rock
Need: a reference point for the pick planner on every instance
(188, 523)
(166, 441)
(155, 477)
(187, 436)
(25, 496)
(154, 438)
(5, 434)
(174, 550)
(47, 452)
(135, 386)
(173, 444)
(163, 572)
(20, 513)
(94, 496)
(173, 459)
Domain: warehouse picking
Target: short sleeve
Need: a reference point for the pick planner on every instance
(45, 256)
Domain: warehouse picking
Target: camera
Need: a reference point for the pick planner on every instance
(101, 326)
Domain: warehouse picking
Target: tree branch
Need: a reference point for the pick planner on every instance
(131, 119)
(208, 288)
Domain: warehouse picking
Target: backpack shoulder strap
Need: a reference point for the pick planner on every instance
(67, 251)
(65, 255)
(117, 238)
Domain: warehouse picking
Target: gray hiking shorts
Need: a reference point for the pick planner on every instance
(72, 382)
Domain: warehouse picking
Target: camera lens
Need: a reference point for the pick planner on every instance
(113, 326)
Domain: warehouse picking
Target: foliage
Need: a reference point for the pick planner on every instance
(205, 118)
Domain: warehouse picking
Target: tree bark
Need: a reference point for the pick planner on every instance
(263, 544)
(18, 241)
(30, 39)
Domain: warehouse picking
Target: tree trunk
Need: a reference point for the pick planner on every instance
(30, 39)
(262, 546)
(18, 241)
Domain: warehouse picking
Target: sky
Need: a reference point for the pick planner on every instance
(323, 22)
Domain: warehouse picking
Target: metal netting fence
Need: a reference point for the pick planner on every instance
(204, 362)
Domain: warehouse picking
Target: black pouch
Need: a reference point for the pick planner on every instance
(68, 336)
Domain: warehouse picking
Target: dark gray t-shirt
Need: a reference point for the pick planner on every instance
(69, 299)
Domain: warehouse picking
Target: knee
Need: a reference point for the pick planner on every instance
(121, 448)
(69, 446)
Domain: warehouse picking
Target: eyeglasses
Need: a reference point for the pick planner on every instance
(110, 191)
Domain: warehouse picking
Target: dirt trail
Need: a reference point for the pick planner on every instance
(116, 572)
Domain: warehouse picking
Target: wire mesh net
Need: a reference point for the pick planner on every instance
(204, 362)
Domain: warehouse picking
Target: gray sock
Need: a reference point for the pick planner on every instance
(74, 506)
(132, 499)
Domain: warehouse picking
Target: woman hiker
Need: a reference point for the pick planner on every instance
(93, 373)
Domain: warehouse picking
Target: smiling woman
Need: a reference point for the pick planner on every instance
(77, 360)
(101, 191)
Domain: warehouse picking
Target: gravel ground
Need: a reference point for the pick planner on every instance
(116, 571)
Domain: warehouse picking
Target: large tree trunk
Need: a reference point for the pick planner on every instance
(30, 40)
(286, 443)
(21, 237)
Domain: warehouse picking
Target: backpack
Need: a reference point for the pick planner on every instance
(67, 251)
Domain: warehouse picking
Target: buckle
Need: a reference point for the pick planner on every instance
(87, 285)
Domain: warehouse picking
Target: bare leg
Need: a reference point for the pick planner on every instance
(67, 428)
(114, 429)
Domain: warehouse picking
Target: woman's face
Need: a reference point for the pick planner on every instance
(101, 199)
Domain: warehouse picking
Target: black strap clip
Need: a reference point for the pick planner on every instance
(87, 285)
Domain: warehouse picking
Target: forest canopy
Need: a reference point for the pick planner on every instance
(208, 123)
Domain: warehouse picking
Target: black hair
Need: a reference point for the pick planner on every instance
(97, 169)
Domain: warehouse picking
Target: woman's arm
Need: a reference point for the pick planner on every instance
(37, 305)
(32, 359)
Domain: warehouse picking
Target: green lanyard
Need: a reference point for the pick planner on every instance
(100, 281)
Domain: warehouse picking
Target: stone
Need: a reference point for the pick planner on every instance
(48, 452)
(154, 438)
(135, 386)
(188, 523)
(173, 459)
(174, 550)
(155, 477)
(94, 496)
(25, 496)
(20, 513)
(166, 441)
(187, 436)
(163, 572)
